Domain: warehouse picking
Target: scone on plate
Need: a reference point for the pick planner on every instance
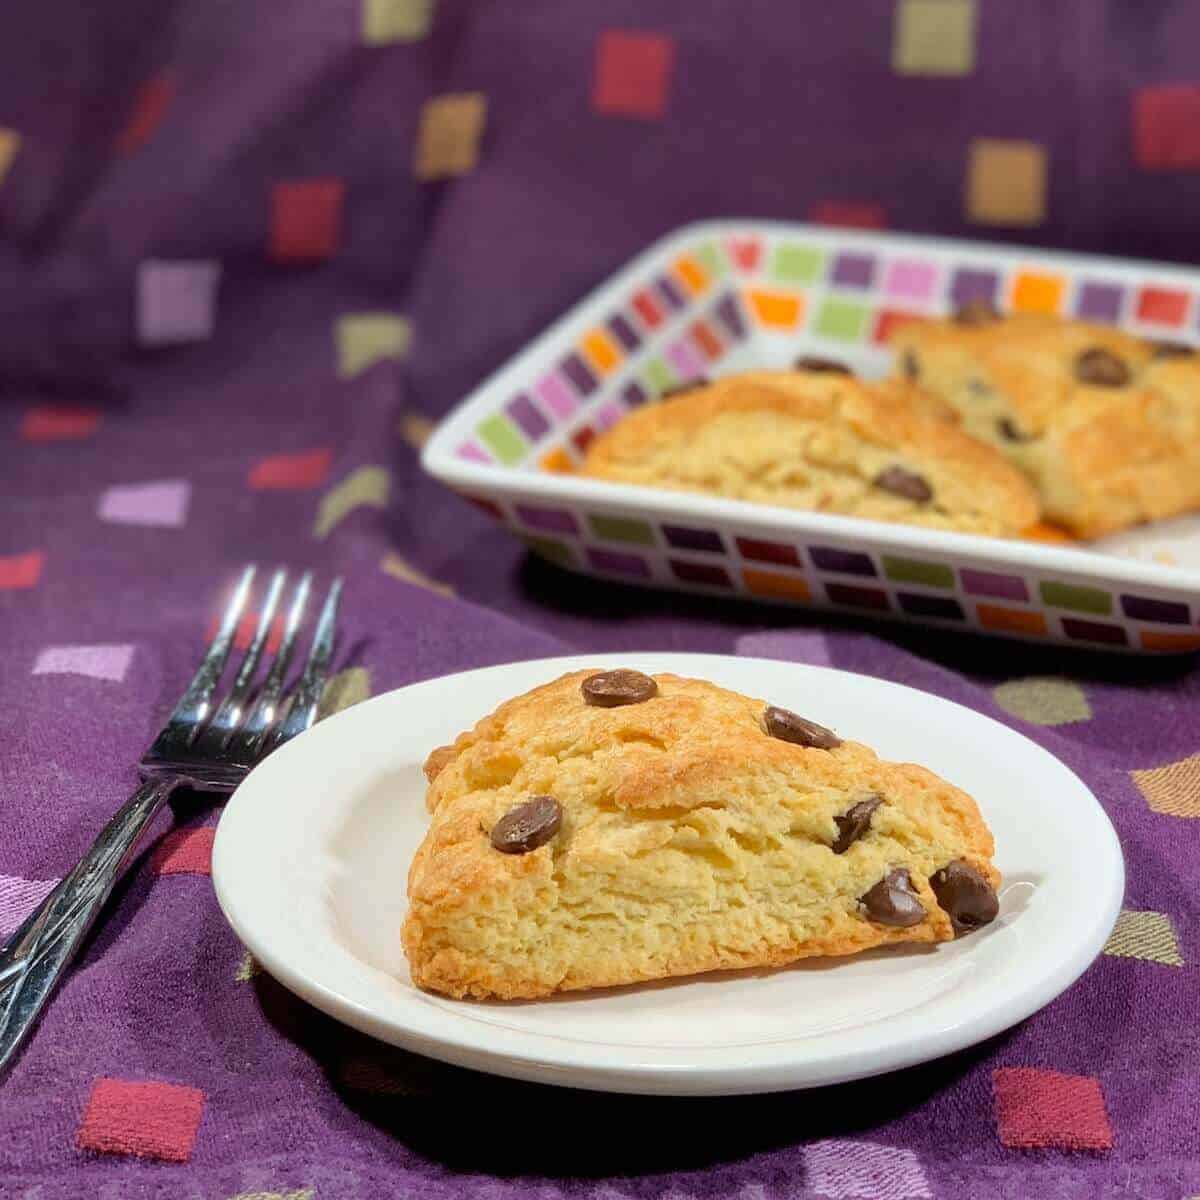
(612, 827)
(1106, 425)
(819, 439)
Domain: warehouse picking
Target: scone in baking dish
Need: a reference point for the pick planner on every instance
(720, 298)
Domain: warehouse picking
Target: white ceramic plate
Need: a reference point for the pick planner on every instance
(312, 852)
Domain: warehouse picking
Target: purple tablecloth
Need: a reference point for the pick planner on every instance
(243, 264)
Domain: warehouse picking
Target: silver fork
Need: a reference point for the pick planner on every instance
(198, 747)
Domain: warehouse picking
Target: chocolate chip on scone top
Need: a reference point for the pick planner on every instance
(894, 901)
(906, 484)
(1172, 350)
(822, 366)
(788, 726)
(1102, 368)
(967, 897)
(611, 689)
(527, 826)
(689, 385)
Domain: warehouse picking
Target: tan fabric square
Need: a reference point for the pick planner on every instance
(10, 143)
(449, 134)
(386, 21)
(1006, 182)
(1044, 700)
(934, 37)
(1173, 789)
(1145, 935)
(398, 568)
(347, 688)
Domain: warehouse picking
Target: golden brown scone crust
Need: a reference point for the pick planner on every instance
(1102, 458)
(817, 441)
(691, 841)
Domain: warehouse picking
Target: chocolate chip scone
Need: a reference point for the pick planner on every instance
(1105, 425)
(614, 827)
(819, 439)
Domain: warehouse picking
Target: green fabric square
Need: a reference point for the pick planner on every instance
(710, 259)
(658, 376)
(622, 529)
(500, 436)
(912, 570)
(553, 550)
(845, 320)
(1076, 598)
(797, 264)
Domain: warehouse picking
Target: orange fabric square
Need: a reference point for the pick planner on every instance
(145, 1120)
(694, 276)
(291, 471)
(707, 340)
(776, 585)
(1044, 1110)
(599, 350)
(306, 219)
(633, 74)
(559, 461)
(1006, 182)
(448, 138)
(849, 214)
(1038, 293)
(1164, 306)
(777, 310)
(59, 422)
(1166, 127)
(1170, 643)
(21, 570)
(149, 108)
(1012, 620)
(186, 852)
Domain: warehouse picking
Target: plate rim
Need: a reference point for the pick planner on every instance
(531, 1056)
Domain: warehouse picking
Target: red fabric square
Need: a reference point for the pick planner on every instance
(58, 422)
(1039, 1110)
(291, 471)
(850, 214)
(153, 99)
(186, 852)
(21, 570)
(648, 309)
(633, 74)
(1162, 305)
(147, 1120)
(745, 252)
(306, 219)
(889, 320)
(582, 437)
(1166, 127)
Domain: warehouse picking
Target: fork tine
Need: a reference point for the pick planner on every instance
(266, 708)
(193, 706)
(303, 709)
(214, 737)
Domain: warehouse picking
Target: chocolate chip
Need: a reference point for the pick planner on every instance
(527, 826)
(1102, 368)
(894, 901)
(824, 366)
(854, 822)
(1010, 432)
(910, 366)
(788, 726)
(689, 385)
(969, 900)
(1172, 350)
(907, 484)
(976, 312)
(611, 689)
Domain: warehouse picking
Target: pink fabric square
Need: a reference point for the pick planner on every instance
(59, 422)
(846, 1170)
(100, 662)
(186, 852)
(145, 1120)
(18, 898)
(911, 279)
(1166, 127)
(163, 503)
(1039, 1110)
(291, 471)
(306, 219)
(633, 74)
(687, 362)
(21, 570)
(608, 415)
(474, 452)
(176, 301)
(558, 397)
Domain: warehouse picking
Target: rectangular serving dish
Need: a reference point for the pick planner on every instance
(731, 295)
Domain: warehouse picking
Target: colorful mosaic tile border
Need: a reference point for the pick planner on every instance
(728, 293)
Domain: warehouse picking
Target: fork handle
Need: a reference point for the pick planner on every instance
(38, 953)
